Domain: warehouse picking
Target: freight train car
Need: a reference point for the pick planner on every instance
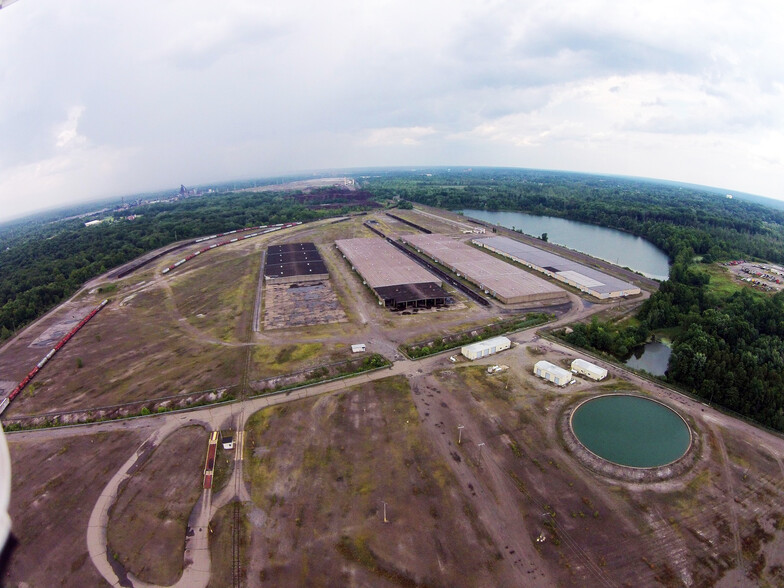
(68, 336)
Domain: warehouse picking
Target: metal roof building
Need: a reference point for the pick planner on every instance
(484, 348)
(506, 282)
(294, 262)
(585, 279)
(396, 279)
(585, 368)
(553, 373)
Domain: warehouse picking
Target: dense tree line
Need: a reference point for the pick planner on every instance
(674, 218)
(42, 264)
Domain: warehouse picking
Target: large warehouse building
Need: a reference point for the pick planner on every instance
(397, 280)
(294, 262)
(509, 284)
(583, 278)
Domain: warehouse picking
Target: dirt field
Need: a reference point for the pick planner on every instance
(132, 350)
(147, 523)
(221, 544)
(317, 516)
(301, 305)
(55, 485)
(722, 521)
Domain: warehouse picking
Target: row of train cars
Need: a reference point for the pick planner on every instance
(21, 386)
(262, 230)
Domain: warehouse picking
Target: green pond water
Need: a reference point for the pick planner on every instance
(631, 431)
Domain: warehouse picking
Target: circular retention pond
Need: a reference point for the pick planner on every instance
(631, 430)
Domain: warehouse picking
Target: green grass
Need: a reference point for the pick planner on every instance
(722, 281)
(275, 360)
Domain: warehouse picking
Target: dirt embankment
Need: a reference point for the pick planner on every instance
(55, 485)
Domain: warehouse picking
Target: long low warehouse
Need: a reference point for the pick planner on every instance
(585, 279)
(509, 284)
(553, 373)
(484, 348)
(585, 368)
(397, 280)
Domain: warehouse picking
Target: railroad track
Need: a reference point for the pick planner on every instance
(236, 564)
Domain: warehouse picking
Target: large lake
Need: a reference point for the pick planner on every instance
(614, 246)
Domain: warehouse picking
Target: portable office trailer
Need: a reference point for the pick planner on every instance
(484, 348)
(582, 367)
(556, 375)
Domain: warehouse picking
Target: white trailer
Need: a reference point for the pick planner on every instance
(484, 348)
(552, 373)
(584, 368)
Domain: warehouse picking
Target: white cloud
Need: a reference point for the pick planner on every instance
(157, 94)
(68, 133)
(398, 135)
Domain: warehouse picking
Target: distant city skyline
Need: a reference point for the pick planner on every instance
(103, 100)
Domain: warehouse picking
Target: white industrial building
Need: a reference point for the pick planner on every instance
(584, 368)
(487, 347)
(551, 372)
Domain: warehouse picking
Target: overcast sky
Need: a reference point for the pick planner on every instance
(108, 98)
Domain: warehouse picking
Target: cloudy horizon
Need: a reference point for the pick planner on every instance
(104, 99)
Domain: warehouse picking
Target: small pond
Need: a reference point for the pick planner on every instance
(651, 357)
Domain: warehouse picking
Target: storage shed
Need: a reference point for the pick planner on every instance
(487, 347)
(551, 372)
(584, 368)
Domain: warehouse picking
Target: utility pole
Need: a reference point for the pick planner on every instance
(459, 433)
(480, 445)
(385, 511)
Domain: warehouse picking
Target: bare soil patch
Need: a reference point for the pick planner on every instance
(56, 482)
(148, 522)
(716, 521)
(301, 304)
(318, 504)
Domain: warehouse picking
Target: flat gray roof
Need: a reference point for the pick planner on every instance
(381, 264)
(506, 280)
(588, 278)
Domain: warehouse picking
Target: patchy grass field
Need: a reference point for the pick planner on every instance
(274, 360)
(55, 485)
(218, 297)
(128, 352)
(317, 515)
(722, 281)
(147, 523)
